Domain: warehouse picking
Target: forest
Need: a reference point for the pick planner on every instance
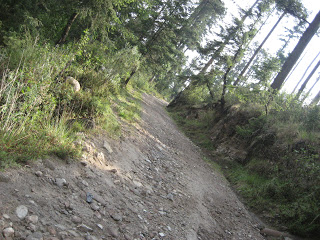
(228, 99)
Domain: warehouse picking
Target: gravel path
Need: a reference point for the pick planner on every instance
(151, 184)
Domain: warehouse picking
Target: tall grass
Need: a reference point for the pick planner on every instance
(36, 103)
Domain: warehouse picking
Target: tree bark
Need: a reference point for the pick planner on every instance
(303, 86)
(258, 50)
(67, 29)
(296, 53)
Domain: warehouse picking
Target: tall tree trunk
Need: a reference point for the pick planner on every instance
(294, 68)
(305, 72)
(296, 53)
(258, 50)
(303, 86)
(67, 29)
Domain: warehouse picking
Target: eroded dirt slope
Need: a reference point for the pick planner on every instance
(152, 184)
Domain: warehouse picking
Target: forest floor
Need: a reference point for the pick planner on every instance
(152, 183)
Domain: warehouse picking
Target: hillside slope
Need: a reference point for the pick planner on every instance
(151, 184)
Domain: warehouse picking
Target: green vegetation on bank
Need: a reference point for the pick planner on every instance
(271, 160)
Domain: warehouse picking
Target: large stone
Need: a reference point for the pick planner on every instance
(22, 211)
(74, 83)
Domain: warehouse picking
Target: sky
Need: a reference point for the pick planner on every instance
(273, 43)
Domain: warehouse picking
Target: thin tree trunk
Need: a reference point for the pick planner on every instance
(128, 78)
(258, 50)
(303, 86)
(221, 48)
(305, 72)
(296, 53)
(67, 29)
(180, 95)
(308, 93)
(315, 100)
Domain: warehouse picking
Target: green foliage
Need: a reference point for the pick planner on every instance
(254, 126)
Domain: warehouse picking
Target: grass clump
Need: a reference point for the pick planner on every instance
(40, 114)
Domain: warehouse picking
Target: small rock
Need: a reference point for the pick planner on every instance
(33, 219)
(95, 207)
(113, 232)
(85, 183)
(84, 163)
(22, 211)
(6, 216)
(100, 157)
(35, 236)
(271, 232)
(4, 178)
(52, 230)
(73, 233)
(89, 198)
(8, 232)
(60, 182)
(85, 228)
(137, 184)
(116, 182)
(116, 217)
(162, 234)
(48, 164)
(114, 170)
(38, 173)
(170, 196)
(107, 147)
(76, 220)
(61, 227)
(90, 237)
(32, 227)
(100, 226)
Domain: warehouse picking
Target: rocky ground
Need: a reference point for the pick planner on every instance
(151, 184)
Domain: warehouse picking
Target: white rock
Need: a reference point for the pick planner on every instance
(107, 147)
(22, 211)
(38, 173)
(61, 182)
(137, 184)
(100, 157)
(162, 234)
(74, 83)
(8, 232)
(100, 226)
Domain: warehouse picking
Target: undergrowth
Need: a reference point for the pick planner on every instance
(280, 177)
(40, 114)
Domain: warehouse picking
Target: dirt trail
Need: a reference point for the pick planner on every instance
(153, 184)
